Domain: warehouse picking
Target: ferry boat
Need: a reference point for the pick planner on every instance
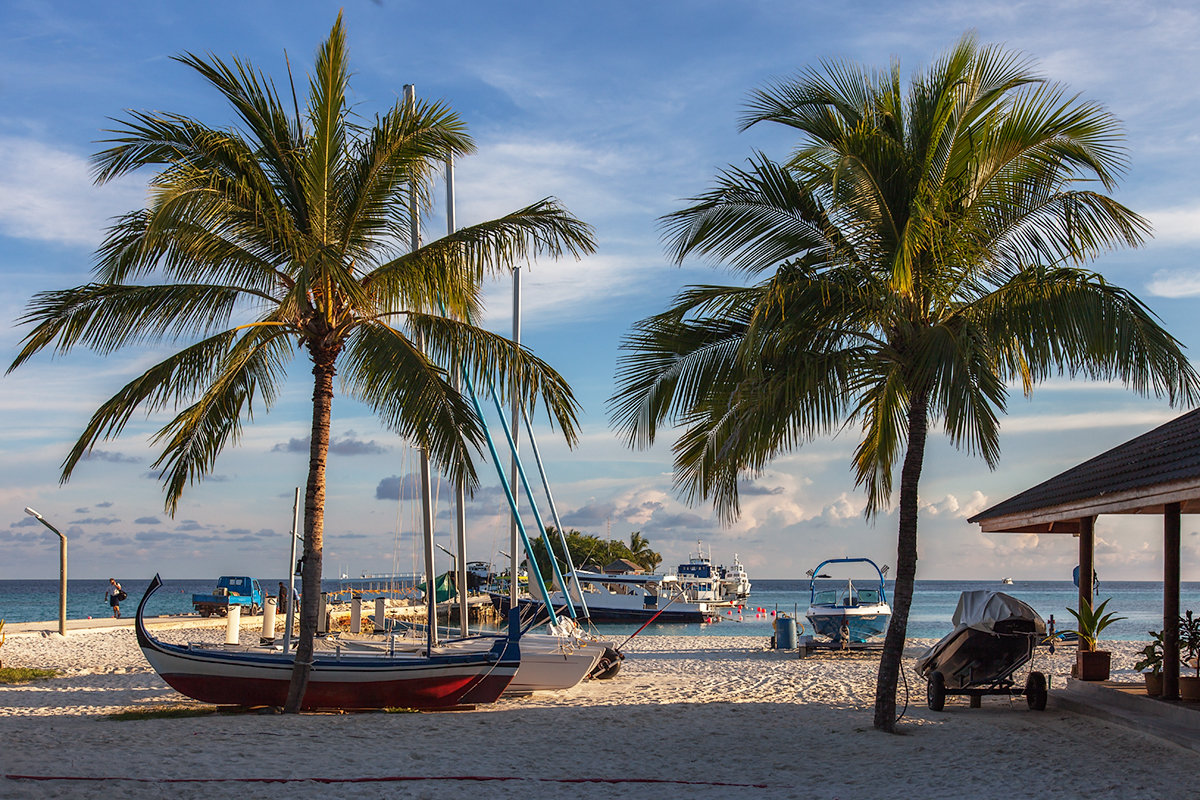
(721, 586)
(626, 597)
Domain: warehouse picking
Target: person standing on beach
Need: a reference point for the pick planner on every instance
(114, 596)
(283, 599)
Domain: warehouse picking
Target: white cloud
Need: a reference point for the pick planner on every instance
(46, 194)
(950, 505)
(1176, 225)
(1088, 420)
(1174, 283)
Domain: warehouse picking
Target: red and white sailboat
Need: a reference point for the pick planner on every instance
(260, 676)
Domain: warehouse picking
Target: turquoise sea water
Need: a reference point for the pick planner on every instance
(933, 604)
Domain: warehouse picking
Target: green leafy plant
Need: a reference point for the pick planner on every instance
(1152, 655)
(1189, 641)
(1092, 622)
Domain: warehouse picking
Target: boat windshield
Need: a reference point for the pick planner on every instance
(868, 596)
(828, 597)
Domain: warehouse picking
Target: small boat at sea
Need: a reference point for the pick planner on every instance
(1006, 581)
(847, 613)
(342, 679)
(630, 597)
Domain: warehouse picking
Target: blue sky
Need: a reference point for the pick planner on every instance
(621, 110)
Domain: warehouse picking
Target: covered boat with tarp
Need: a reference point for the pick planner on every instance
(994, 635)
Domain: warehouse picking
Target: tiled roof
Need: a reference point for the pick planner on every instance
(1169, 453)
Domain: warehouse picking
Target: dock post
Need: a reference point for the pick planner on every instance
(380, 615)
(233, 624)
(356, 613)
(268, 628)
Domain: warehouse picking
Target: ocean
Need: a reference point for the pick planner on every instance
(1140, 602)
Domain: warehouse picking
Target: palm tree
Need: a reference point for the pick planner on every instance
(920, 251)
(641, 554)
(279, 236)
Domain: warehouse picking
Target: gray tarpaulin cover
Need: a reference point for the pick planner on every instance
(980, 610)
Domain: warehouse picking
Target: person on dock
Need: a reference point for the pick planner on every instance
(114, 596)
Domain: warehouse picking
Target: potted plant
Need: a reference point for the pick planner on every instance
(1151, 664)
(1092, 664)
(1189, 654)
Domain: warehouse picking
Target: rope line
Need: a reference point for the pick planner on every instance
(389, 779)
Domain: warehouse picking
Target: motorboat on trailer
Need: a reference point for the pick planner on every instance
(620, 598)
(845, 613)
(341, 679)
(994, 635)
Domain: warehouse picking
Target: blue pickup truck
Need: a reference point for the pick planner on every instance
(236, 590)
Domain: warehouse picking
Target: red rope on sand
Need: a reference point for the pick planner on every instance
(385, 779)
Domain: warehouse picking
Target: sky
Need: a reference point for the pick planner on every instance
(622, 111)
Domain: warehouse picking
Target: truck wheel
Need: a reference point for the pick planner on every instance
(222, 611)
(206, 612)
(935, 692)
(1035, 691)
(254, 609)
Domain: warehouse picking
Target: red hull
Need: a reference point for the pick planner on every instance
(409, 693)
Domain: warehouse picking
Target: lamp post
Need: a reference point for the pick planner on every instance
(62, 570)
(447, 552)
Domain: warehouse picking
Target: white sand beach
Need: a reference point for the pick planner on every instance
(708, 717)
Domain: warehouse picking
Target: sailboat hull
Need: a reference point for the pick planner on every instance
(261, 677)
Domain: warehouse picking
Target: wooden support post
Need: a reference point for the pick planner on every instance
(1087, 564)
(1170, 672)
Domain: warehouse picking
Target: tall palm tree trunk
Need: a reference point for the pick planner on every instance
(906, 566)
(324, 368)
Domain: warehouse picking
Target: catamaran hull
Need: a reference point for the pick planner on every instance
(547, 663)
(856, 625)
(254, 677)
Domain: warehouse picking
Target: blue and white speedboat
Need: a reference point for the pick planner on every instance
(843, 612)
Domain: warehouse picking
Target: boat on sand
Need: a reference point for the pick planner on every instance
(844, 612)
(342, 679)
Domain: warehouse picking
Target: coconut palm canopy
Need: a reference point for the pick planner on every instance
(920, 252)
(288, 232)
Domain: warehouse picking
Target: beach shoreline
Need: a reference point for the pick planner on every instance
(719, 716)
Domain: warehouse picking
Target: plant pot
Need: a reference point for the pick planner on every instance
(1153, 683)
(1092, 665)
(1189, 687)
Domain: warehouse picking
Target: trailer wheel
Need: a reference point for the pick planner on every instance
(254, 609)
(1035, 691)
(206, 612)
(935, 692)
(222, 611)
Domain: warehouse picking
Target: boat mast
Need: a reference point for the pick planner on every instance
(410, 100)
(515, 557)
(460, 493)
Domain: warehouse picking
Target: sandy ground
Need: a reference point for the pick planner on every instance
(695, 717)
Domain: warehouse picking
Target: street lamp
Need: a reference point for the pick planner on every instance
(447, 552)
(62, 570)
